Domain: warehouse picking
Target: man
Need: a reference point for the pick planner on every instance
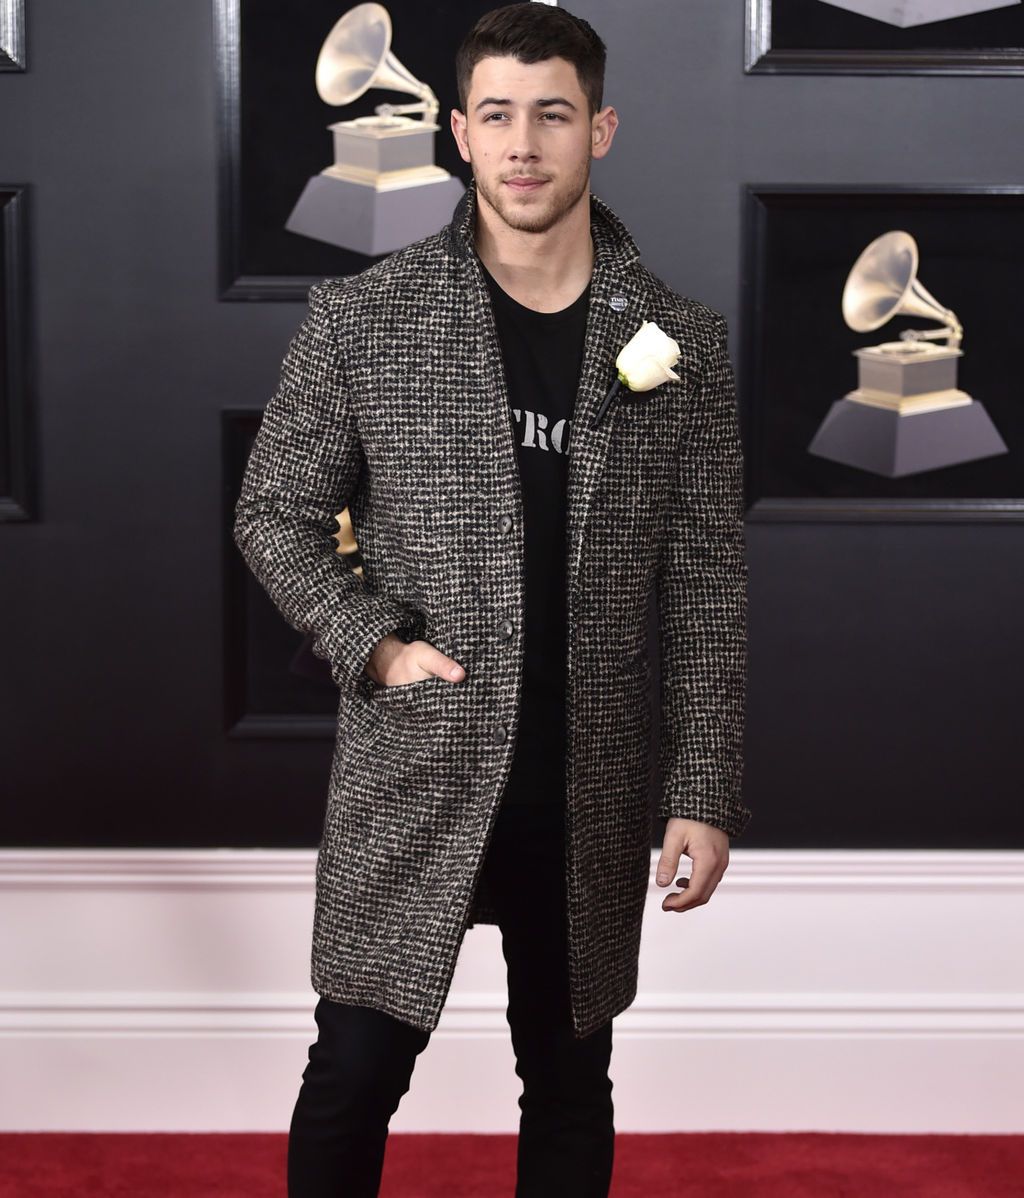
(491, 761)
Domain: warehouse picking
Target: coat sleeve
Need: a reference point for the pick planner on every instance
(302, 470)
(702, 610)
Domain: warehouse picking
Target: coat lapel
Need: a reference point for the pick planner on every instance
(616, 311)
(609, 326)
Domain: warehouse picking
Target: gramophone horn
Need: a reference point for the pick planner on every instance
(356, 55)
(883, 283)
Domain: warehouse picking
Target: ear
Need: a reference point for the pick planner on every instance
(459, 132)
(602, 131)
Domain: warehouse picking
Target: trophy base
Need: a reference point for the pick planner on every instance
(908, 13)
(883, 442)
(908, 405)
(356, 216)
(386, 180)
(376, 149)
(907, 367)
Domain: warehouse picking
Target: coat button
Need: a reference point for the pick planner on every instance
(505, 629)
(499, 734)
(504, 523)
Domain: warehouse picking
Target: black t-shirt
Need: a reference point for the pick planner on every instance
(543, 354)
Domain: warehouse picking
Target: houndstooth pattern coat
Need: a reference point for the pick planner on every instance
(392, 400)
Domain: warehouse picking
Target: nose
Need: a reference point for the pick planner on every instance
(522, 144)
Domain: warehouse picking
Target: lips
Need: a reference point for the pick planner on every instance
(525, 184)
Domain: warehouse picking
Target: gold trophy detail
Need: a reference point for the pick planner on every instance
(383, 190)
(907, 414)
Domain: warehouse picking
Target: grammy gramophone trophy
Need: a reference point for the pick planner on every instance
(383, 190)
(907, 413)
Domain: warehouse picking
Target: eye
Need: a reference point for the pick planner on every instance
(556, 115)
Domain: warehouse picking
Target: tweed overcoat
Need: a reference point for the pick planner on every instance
(392, 400)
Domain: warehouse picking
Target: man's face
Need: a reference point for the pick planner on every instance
(529, 138)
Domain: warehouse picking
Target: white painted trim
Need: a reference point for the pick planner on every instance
(869, 1014)
(867, 979)
(818, 869)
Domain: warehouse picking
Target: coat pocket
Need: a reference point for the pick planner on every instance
(426, 691)
(664, 402)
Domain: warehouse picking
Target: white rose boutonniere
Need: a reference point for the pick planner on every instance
(643, 362)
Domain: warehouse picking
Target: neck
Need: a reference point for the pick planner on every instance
(545, 271)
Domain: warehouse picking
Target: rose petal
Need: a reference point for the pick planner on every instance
(647, 372)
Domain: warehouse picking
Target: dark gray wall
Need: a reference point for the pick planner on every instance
(885, 659)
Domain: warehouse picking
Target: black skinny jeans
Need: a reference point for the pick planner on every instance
(362, 1061)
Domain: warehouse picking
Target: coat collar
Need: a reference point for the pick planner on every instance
(613, 243)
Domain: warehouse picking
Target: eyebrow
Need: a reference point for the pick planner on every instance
(546, 103)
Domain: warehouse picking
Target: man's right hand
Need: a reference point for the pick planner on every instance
(395, 663)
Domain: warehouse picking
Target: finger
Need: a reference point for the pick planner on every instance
(700, 886)
(438, 663)
(448, 667)
(668, 863)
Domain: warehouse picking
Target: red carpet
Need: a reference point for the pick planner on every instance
(715, 1165)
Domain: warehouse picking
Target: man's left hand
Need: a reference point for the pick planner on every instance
(708, 848)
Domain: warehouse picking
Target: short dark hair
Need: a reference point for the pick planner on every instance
(532, 32)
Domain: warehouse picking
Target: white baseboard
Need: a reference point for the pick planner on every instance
(824, 990)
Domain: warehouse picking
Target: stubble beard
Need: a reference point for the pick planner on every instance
(535, 218)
